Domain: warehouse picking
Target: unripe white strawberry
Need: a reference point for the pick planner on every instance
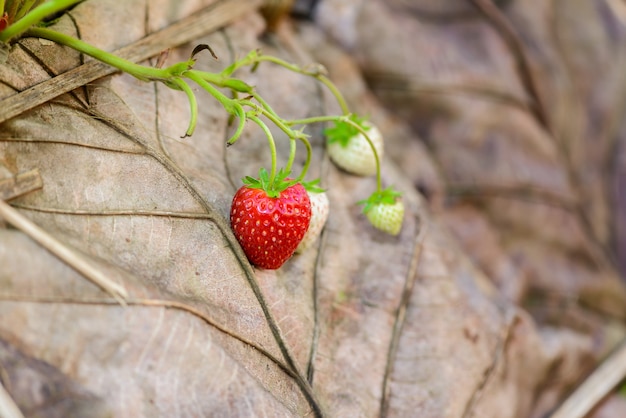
(351, 151)
(319, 215)
(385, 210)
(386, 217)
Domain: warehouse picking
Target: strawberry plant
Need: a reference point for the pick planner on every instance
(263, 207)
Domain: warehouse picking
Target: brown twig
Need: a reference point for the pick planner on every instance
(600, 383)
(8, 408)
(56, 247)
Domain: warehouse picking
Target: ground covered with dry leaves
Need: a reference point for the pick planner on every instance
(505, 131)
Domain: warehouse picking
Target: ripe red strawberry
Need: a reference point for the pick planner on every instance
(270, 220)
(385, 210)
(319, 215)
(349, 149)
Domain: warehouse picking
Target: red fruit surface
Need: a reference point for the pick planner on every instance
(270, 229)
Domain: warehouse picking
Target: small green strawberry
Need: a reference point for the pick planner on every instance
(385, 210)
(319, 214)
(270, 219)
(349, 149)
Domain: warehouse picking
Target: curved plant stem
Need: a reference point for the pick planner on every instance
(272, 116)
(34, 17)
(226, 82)
(225, 101)
(24, 8)
(345, 119)
(307, 162)
(315, 74)
(379, 186)
(283, 125)
(193, 104)
(256, 96)
(272, 144)
(139, 71)
(292, 154)
(232, 106)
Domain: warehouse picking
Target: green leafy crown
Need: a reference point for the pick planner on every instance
(342, 132)
(312, 186)
(389, 196)
(272, 188)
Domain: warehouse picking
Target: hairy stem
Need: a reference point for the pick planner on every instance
(232, 106)
(139, 71)
(271, 143)
(292, 154)
(315, 74)
(307, 162)
(193, 104)
(284, 126)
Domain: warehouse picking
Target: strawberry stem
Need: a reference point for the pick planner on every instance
(193, 103)
(292, 154)
(25, 7)
(221, 81)
(307, 162)
(255, 58)
(139, 71)
(346, 119)
(272, 144)
(283, 125)
(232, 106)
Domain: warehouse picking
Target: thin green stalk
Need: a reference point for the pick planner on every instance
(272, 116)
(307, 162)
(24, 8)
(272, 144)
(280, 123)
(34, 17)
(197, 77)
(225, 82)
(264, 103)
(379, 183)
(320, 77)
(13, 10)
(232, 106)
(193, 104)
(317, 119)
(292, 154)
(1, 7)
(141, 72)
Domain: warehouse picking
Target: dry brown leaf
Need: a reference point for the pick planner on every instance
(363, 325)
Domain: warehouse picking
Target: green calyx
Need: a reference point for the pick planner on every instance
(342, 131)
(388, 196)
(312, 186)
(273, 187)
